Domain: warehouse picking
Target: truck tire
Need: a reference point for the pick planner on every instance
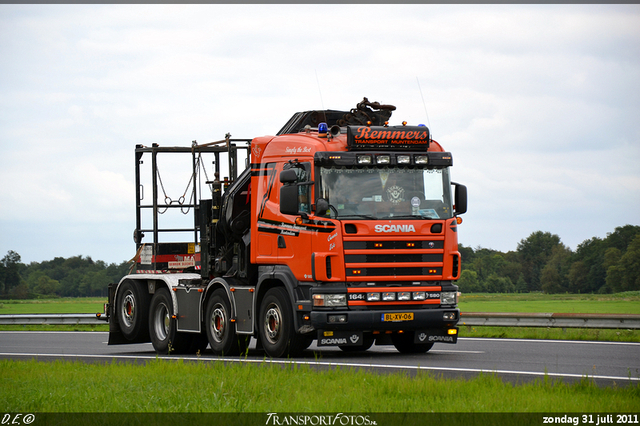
(162, 326)
(276, 327)
(220, 330)
(132, 311)
(404, 343)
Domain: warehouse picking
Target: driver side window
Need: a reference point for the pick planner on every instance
(303, 172)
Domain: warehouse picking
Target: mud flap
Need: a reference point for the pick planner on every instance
(340, 338)
(436, 335)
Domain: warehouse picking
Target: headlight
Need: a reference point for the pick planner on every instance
(329, 300)
(422, 159)
(373, 297)
(448, 298)
(364, 159)
(403, 159)
(404, 295)
(387, 297)
(419, 295)
(383, 159)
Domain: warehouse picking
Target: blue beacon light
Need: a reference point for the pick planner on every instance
(323, 129)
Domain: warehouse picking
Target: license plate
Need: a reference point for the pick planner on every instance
(405, 316)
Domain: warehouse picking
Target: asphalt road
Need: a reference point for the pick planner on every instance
(515, 360)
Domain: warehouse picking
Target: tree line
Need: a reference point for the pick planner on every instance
(76, 276)
(541, 263)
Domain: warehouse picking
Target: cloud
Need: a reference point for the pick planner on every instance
(537, 103)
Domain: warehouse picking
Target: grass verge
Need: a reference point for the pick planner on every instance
(547, 333)
(177, 386)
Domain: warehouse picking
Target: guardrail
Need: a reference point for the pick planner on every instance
(53, 319)
(559, 320)
(494, 319)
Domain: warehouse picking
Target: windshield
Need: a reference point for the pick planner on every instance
(383, 193)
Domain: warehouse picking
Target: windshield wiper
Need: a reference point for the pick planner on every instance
(409, 216)
(364, 216)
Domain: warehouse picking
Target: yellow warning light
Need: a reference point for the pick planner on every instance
(298, 220)
(411, 244)
(404, 123)
(452, 331)
(458, 220)
(378, 245)
(356, 272)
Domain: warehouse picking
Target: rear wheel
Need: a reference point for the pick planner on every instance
(275, 323)
(220, 330)
(404, 343)
(132, 311)
(162, 326)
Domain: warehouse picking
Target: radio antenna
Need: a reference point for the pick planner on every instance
(320, 92)
(423, 104)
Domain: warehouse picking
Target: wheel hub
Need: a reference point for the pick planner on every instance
(128, 309)
(218, 323)
(272, 323)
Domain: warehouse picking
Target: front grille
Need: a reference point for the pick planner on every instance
(394, 245)
(394, 258)
(386, 259)
(398, 271)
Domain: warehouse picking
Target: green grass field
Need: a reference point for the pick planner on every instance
(80, 305)
(622, 303)
(176, 386)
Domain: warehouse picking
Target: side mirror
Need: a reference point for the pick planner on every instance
(288, 197)
(460, 198)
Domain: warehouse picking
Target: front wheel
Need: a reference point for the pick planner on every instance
(220, 330)
(162, 326)
(276, 327)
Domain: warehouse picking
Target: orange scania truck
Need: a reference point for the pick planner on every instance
(341, 229)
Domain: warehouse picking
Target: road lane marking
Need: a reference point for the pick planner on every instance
(587, 342)
(329, 364)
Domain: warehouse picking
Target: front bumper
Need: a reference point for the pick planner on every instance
(373, 320)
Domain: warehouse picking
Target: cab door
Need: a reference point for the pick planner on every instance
(294, 239)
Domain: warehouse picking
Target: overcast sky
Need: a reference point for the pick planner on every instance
(539, 104)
